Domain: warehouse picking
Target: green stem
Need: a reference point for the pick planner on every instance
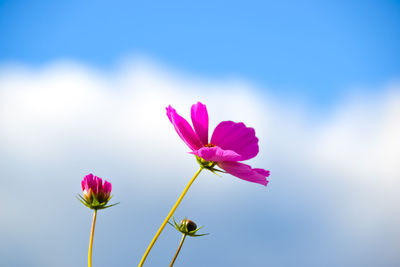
(178, 250)
(168, 217)
(91, 239)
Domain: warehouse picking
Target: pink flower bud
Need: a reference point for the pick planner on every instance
(95, 193)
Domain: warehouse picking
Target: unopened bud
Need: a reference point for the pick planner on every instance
(190, 225)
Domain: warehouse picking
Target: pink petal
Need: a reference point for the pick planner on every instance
(88, 177)
(107, 187)
(99, 185)
(217, 154)
(87, 182)
(234, 136)
(184, 130)
(245, 172)
(200, 122)
(83, 183)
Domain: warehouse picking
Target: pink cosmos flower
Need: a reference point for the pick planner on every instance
(230, 143)
(96, 194)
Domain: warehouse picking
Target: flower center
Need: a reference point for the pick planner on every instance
(209, 145)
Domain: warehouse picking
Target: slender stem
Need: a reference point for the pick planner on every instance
(91, 239)
(168, 217)
(178, 250)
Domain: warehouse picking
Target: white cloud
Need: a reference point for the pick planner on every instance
(66, 114)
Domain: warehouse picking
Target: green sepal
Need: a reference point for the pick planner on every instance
(193, 233)
(217, 170)
(94, 204)
(209, 165)
(105, 207)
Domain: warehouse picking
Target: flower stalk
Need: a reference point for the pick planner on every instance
(91, 239)
(168, 217)
(178, 250)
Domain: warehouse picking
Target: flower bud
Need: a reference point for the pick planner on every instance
(187, 227)
(96, 194)
(190, 225)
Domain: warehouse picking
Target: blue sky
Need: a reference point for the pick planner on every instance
(310, 49)
(84, 86)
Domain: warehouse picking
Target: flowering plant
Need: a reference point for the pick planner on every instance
(230, 143)
(187, 228)
(96, 195)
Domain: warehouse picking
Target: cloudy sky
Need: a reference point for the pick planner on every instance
(84, 86)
